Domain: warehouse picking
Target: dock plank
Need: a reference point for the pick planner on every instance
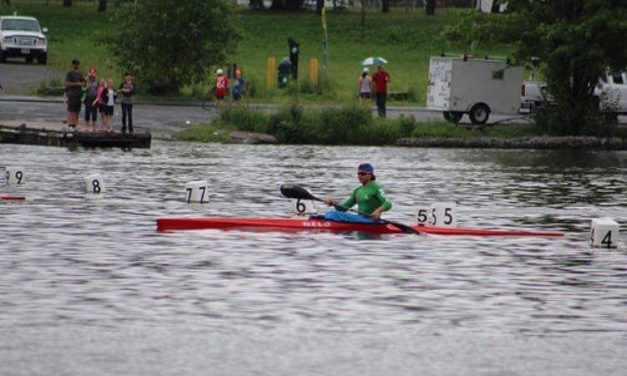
(49, 133)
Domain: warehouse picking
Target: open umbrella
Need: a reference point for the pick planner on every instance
(374, 60)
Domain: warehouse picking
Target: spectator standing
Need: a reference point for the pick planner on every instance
(294, 52)
(91, 93)
(221, 86)
(364, 85)
(381, 79)
(107, 101)
(98, 102)
(74, 81)
(239, 87)
(127, 89)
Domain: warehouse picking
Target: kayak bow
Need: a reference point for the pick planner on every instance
(306, 224)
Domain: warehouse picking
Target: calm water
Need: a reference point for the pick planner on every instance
(88, 287)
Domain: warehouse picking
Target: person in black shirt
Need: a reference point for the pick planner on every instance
(74, 82)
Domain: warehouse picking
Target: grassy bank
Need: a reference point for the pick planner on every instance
(405, 37)
(350, 125)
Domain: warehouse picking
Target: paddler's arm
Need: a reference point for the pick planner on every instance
(343, 206)
(385, 206)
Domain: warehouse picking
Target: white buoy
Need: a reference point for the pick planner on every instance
(604, 233)
(303, 207)
(94, 183)
(14, 176)
(440, 214)
(197, 192)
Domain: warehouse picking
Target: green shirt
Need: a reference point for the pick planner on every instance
(368, 198)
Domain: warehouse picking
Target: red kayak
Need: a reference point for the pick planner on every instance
(12, 198)
(306, 224)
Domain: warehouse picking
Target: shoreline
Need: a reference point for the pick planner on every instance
(540, 142)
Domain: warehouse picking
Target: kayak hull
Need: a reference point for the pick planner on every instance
(321, 225)
(12, 198)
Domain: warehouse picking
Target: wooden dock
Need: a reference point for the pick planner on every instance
(58, 134)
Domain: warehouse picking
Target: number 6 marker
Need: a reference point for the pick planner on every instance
(303, 207)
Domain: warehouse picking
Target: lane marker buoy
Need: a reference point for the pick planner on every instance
(440, 214)
(94, 183)
(197, 192)
(604, 232)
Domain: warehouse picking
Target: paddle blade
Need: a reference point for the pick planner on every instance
(297, 192)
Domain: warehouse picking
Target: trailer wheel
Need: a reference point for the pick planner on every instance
(479, 113)
(453, 116)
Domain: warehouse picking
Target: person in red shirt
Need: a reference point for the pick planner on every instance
(222, 86)
(381, 79)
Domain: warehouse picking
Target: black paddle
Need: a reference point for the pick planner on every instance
(300, 193)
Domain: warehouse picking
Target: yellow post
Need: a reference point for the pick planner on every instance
(271, 72)
(313, 70)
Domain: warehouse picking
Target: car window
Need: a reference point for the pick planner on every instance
(20, 25)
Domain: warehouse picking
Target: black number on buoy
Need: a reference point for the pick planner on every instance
(422, 216)
(7, 176)
(18, 176)
(300, 207)
(448, 217)
(434, 217)
(202, 196)
(607, 239)
(189, 194)
(95, 184)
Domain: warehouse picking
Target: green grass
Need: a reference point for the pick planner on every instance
(293, 124)
(407, 38)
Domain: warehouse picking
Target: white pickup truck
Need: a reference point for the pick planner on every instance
(611, 93)
(22, 37)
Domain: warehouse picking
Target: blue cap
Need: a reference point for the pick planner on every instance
(365, 167)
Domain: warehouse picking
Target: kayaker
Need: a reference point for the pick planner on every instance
(369, 197)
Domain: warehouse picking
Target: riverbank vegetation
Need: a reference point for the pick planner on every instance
(348, 125)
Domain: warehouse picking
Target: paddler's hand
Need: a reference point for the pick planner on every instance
(376, 214)
(330, 202)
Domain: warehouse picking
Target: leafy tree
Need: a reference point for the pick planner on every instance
(577, 41)
(167, 44)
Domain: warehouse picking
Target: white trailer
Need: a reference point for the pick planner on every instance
(476, 87)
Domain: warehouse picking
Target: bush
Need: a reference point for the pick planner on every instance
(293, 126)
(244, 120)
(342, 126)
